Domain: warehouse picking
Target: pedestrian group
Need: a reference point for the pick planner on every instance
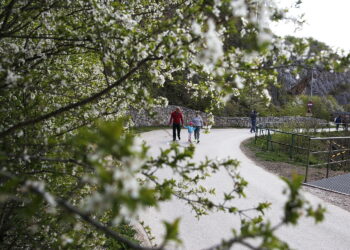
(193, 127)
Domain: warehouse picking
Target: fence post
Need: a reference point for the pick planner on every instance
(256, 135)
(308, 160)
(291, 148)
(258, 130)
(348, 147)
(329, 156)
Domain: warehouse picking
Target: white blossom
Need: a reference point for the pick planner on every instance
(196, 28)
(239, 8)
(239, 81)
(66, 240)
(12, 77)
(267, 94)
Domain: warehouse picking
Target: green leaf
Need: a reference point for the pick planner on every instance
(172, 230)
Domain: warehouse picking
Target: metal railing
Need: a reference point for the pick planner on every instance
(337, 146)
(296, 143)
(312, 152)
(308, 126)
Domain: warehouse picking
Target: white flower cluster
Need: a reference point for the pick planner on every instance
(12, 78)
(124, 183)
(264, 34)
(267, 94)
(213, 50)
(239, 8)
(66, 240)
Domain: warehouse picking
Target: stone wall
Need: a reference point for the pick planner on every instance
(161, 117)
(244, 122)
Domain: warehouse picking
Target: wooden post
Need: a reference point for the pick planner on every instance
(291, 148)
(329, 156)
(308, 160)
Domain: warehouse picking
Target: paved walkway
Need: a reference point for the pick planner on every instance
(333, 233)
(339, 184)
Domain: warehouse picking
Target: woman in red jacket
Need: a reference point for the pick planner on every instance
(177, 120)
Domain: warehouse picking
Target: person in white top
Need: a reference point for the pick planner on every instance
(197, 123)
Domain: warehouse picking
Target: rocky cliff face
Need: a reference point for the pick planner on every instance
(320, 83)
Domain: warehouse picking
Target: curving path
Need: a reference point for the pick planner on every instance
(333, 233)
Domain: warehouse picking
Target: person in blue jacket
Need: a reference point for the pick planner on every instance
(190, 129)
(253, 116)
(337, 121)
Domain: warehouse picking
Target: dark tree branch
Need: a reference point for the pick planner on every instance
(21, 25)
(79, 103)
(84, 216)
(85, 123)
(46, 37)
(98, 225)
(49, 172)
(8, 13)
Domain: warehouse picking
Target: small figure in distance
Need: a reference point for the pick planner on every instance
(176, 119)
(190, 129)
(198, 124)
(253, 116)
(337, 121)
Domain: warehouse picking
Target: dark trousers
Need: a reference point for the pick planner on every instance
(196, 132)
(252, 129)
(176, 128)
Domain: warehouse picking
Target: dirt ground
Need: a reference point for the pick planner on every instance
(286, 170)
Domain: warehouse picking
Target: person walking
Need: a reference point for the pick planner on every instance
(190, 129)
(176, 119)
(337, 121)
(253, 116)
(198, 124)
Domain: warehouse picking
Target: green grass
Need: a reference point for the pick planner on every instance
(279, 154)
(282, 154)
(334, 134)
(274, 156)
